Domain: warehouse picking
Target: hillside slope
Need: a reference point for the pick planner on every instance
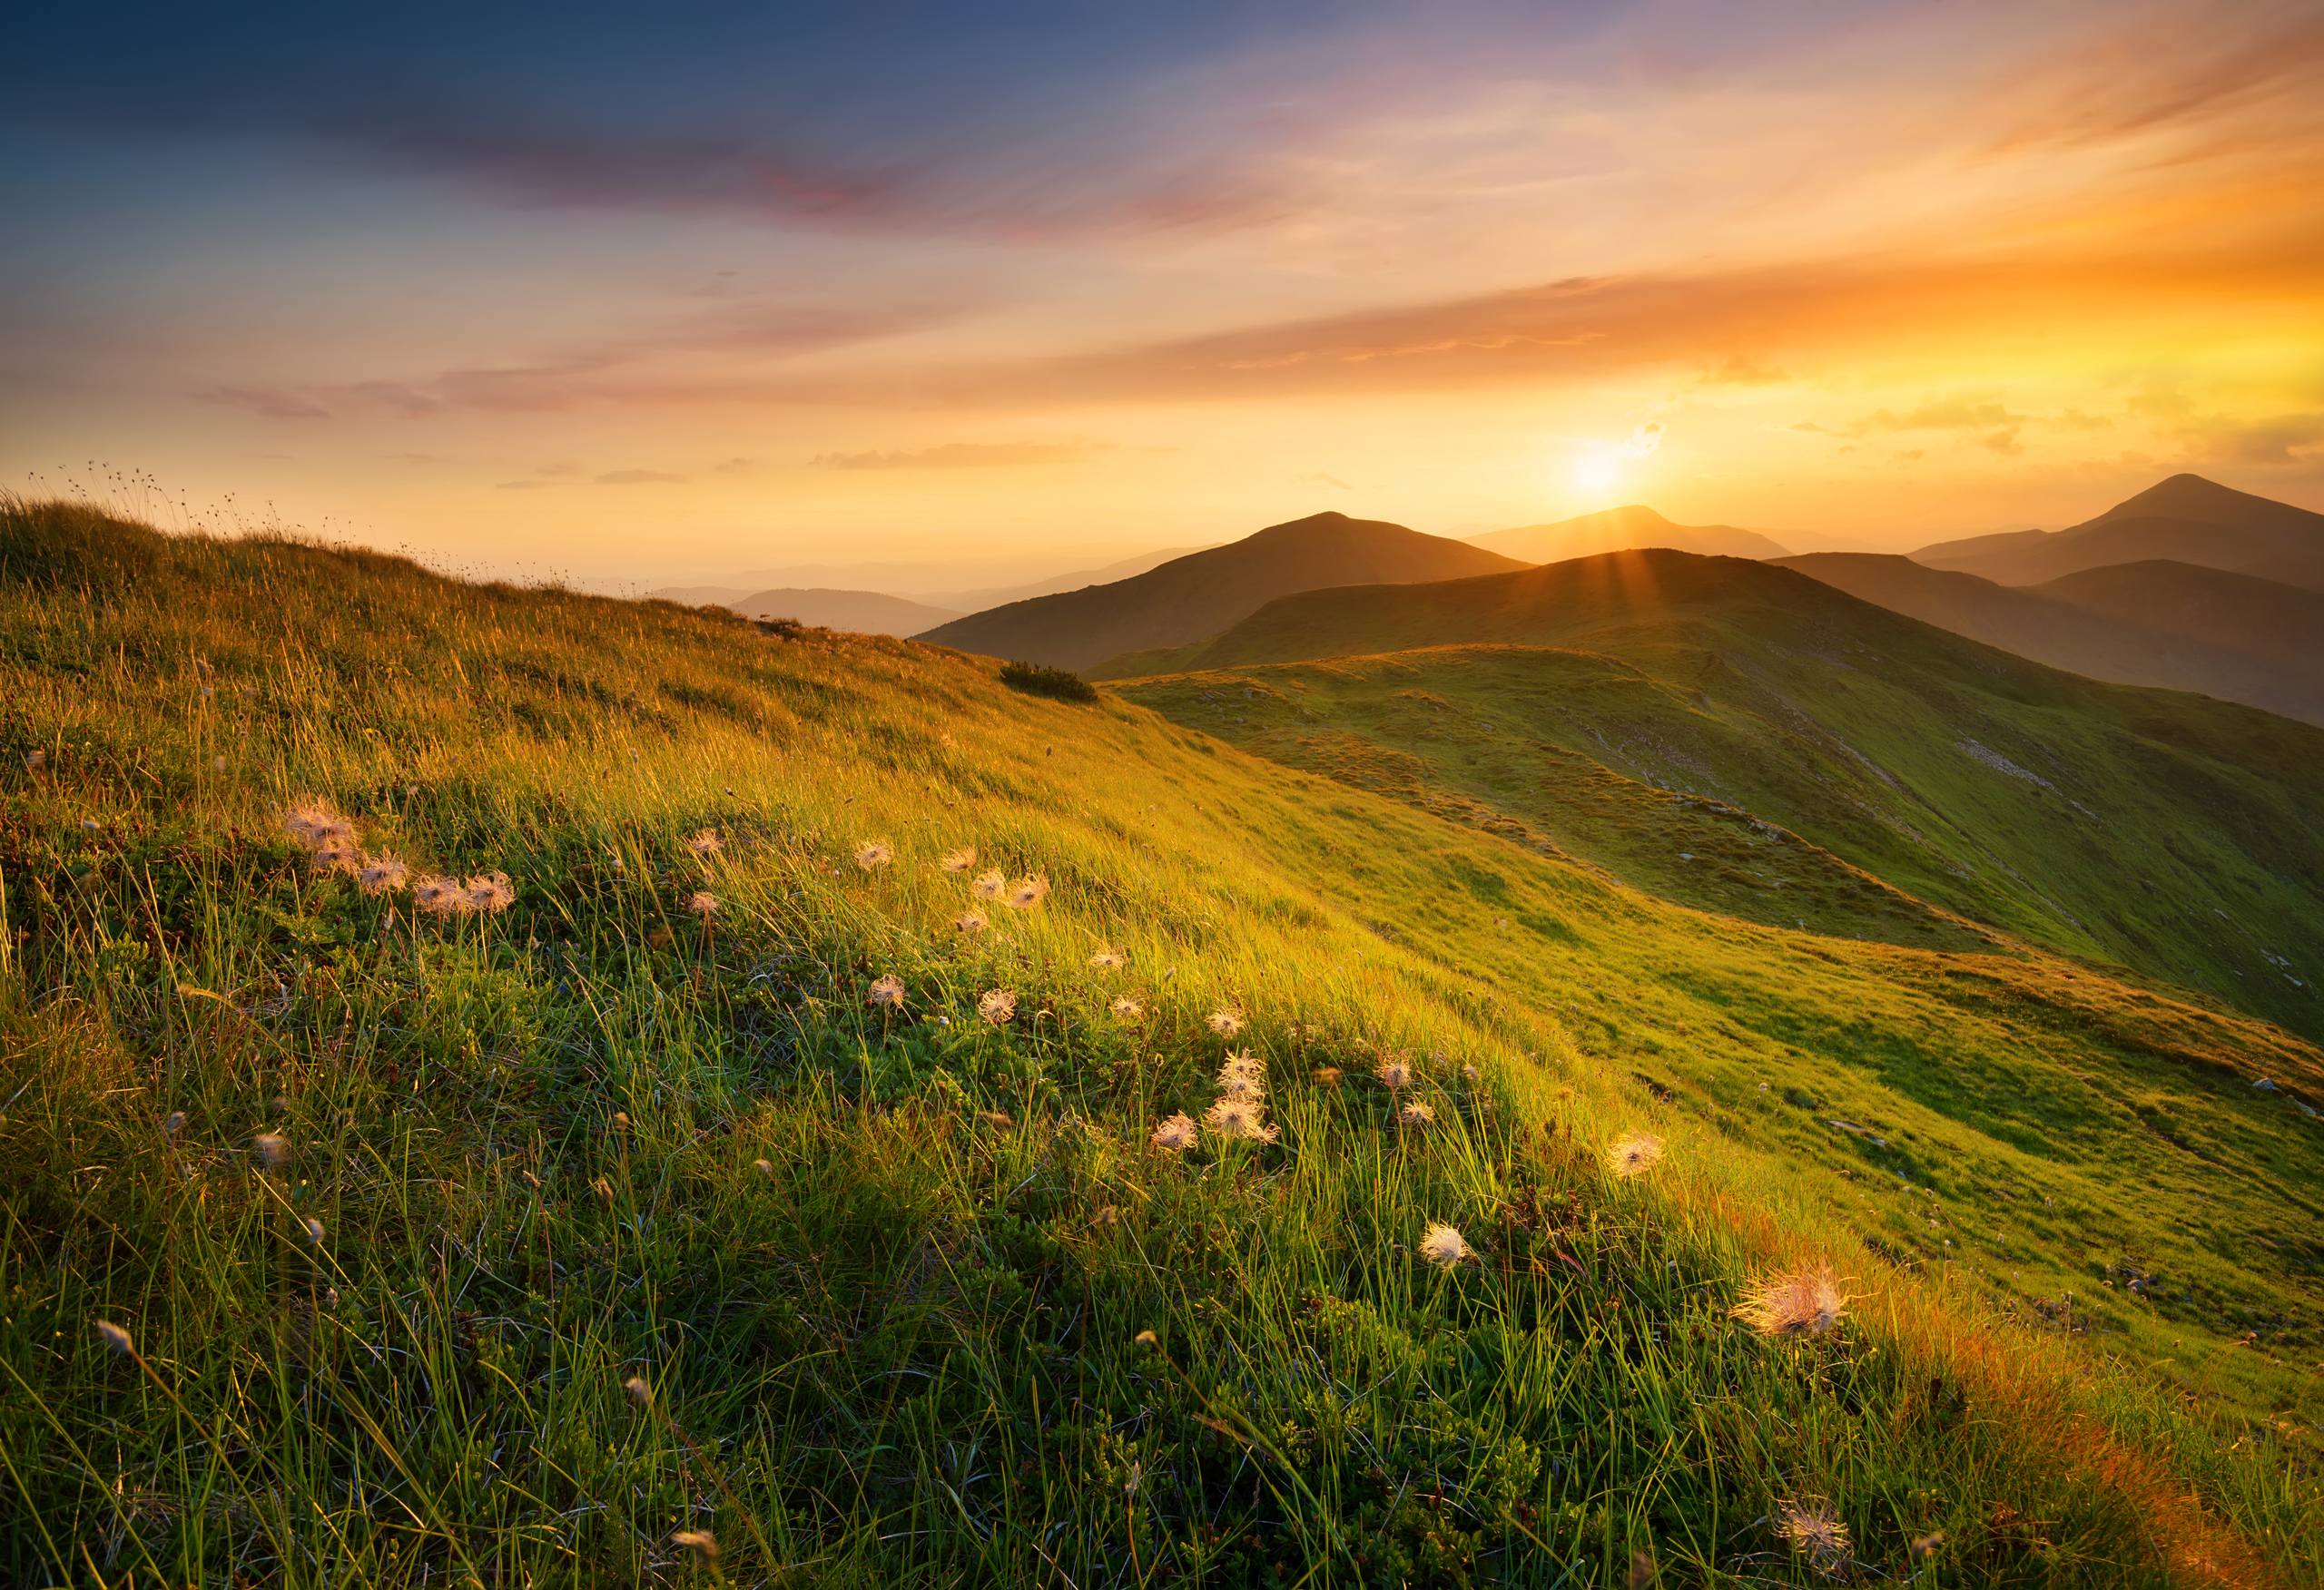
(1203, 592)
(1623, 529)
(2173, 626)
(519, 1238)
(2159, 831)
(2185, 519)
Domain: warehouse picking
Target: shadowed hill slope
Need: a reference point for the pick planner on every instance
(2169, 625)
(2184, 519)
(722, 1168)
(1623, 529)
(1203, 592)
(2175, 835)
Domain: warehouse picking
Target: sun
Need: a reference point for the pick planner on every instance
(1596, 472)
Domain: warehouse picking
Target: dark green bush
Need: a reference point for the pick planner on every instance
(1058, 683)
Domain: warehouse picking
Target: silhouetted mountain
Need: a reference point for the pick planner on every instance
(2158, 623)
(700, 595)
(1620, 530)
(2185, 519)
(870, 612)
(1203, 592)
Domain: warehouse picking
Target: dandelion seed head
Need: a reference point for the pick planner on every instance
(1395, 1072)
(1444, 1247)
(1107, 960)
(440, 897)
(997, 1005)
(1126, 1008)
(1634, 1154)
(1027, 893)
(989, 885)
(1243, 1076)
(872, 854)
(1417, 1112)
(886, 993)
(1224, 1022)
(1175, 1134)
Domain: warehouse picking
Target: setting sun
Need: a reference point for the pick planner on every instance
(1596, 472)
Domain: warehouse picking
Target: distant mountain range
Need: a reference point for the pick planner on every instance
(2184, 519)
(2158, 623)
(870, 612)
(1620, 529)
(1201, 593)
(1639, 709)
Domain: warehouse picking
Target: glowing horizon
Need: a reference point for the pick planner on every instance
(1043, 288)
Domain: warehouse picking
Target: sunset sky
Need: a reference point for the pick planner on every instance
(672, 292)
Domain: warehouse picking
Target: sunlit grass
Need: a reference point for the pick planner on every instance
(912, 1294)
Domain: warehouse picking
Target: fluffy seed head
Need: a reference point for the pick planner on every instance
(173, 1122)
(971, 921)
(700, 1541)
(1025, 893)
(886, 993)
(1126, 1008)
(113, 1336)
(1243, 1076)
(1634, 1154)
(273, 1148)
(703, 904)
(873, 853)
(382, 874)
(1226, 1022)
(989, 885)
(491, 894)
(707, 843)
(1243, 1119)
(1417, 1112)
(1806, 1301)
(997, 1005)
(440, 897)
(318, 825)
(1175, 1133)
(1815, 1531)
(1394, 1072)
(959, 860)
(314, 1231)
(1107, 960)
(1443, 1247)
(639, 1390)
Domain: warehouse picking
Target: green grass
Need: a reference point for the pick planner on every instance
(907, 1349)
(2175, 836)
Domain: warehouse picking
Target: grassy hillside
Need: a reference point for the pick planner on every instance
(1203, 592)
(1620, 530)
(2184, 519)
(547, 1225)
(2162, 832)
(2173, 626)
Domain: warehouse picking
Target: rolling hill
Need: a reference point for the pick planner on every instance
(1623, 529)
(979, 599)
(2159, 831)
(1203, 592)
(505, 1086)
(2184, 519)
(2170, 624)
(869, 612)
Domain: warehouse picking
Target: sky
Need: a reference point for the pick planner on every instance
(626, 294)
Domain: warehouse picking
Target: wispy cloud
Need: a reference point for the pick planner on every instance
(964, 455)
(639, 477)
